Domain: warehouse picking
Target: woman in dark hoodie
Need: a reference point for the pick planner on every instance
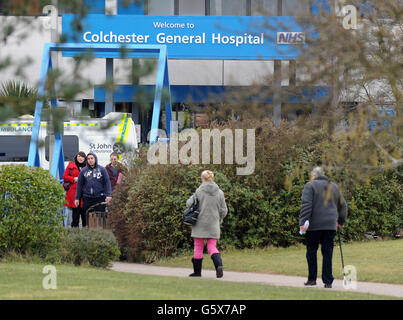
(71, 175)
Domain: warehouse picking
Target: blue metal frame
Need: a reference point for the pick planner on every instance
(100, 51)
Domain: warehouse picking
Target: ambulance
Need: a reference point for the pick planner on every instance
(114, 133)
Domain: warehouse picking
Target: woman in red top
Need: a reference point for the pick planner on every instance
(71, 175)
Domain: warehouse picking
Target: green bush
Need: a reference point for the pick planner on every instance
(94, 246)
(263, 208)
(31, 203)
(157, 230)
(376, 206)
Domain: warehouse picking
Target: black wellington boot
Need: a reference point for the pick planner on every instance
(216, 257)
(197, 267)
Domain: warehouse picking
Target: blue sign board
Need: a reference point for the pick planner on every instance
(194, 37)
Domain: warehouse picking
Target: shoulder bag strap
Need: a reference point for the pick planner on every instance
(196, 199)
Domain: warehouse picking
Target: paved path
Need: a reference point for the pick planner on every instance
(262, 278)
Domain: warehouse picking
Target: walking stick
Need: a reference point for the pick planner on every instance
(341, 253)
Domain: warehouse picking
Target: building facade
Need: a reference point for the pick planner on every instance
(192, 79)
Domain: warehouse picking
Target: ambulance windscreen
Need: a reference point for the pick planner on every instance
(14, 148)
(70, 147)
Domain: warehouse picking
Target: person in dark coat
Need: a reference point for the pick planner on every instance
(213, 210)
(93, 185)
(115, 169)
(71, 175)
(324, 207)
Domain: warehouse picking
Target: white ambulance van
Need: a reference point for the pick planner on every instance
(114, 133)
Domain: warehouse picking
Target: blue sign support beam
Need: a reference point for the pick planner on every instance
(57, 149)
(161, 92)
(168, 101)
(98, 51)
(33, 156)
(58, 157)
(109, 92)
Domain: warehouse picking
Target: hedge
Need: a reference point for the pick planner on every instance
(263, 208)
(31, 203)
(96, 247)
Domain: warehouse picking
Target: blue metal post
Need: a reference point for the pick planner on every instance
(109, 92)
(58, 157)
(57, 145)
(158, 96)
(33, 155)
(168, 102)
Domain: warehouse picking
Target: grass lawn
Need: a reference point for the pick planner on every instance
(24, 281)
(375, 261)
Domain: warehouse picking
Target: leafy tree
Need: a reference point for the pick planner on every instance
(361, 66)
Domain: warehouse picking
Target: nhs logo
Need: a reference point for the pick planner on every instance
(290, 37)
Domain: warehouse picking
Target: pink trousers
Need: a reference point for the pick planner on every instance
(199, 246)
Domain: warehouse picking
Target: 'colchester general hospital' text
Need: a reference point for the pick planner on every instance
(163, 38)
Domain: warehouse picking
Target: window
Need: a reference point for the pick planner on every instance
(264, 7)
(123, 107)
(296, 7)
(161, 7)
(192, 7)
(70, 147)
(228, 8)
(14, 148)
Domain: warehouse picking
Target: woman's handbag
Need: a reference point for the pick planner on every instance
(190, 215)
(66, 184)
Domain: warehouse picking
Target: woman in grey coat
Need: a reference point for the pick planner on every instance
(213, 209)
